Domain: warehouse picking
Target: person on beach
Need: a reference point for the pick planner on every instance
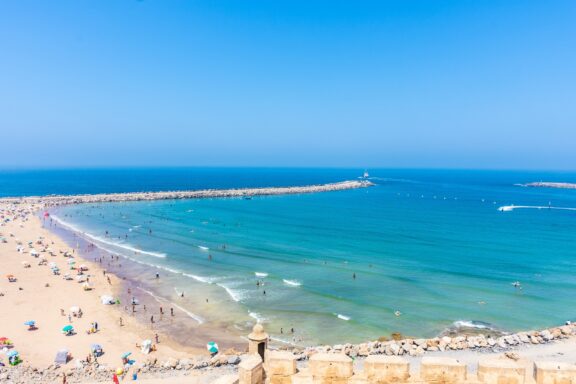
(152, 319)
(161, 311)
(157, 338)
(121, 322)
(171, 311)
(157, 275)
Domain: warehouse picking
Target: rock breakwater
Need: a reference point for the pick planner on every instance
(418, 347)
(55, 200)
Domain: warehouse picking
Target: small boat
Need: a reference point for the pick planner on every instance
(365, 175)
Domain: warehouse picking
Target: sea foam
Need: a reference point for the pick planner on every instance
(103, 240)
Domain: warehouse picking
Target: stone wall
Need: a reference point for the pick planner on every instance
(337, 368)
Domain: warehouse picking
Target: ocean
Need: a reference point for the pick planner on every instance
(421, 253)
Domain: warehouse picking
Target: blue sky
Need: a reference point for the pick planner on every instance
(462, 84)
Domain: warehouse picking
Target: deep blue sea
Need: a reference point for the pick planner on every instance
(430, 245)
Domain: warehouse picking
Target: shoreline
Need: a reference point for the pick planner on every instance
(167, 326)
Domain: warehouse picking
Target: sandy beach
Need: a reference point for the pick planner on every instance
(38, 294)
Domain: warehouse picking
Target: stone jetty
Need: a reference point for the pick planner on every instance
(55, 200)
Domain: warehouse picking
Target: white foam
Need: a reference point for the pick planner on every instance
(159, 299)
(471, 324)
(261, 274)
(203, 247)
(342, 317)
(282, 340)
(202, 279)
(235, 294)
(256, 316)
(508, 208)
(106, 241)
(292, 283)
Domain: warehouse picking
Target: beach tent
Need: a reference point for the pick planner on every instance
(108, 300)
(212, 347)
(61, 356)
(146, 346)
(74, 310)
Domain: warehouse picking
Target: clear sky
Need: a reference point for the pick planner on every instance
(473, 84)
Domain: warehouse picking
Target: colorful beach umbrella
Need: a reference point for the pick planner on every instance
(30, 323)
(212, 347)
(67, 329)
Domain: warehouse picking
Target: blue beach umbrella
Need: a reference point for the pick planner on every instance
(12, 353)
(126, 354)
(95, 346)
(30, 323)
(67, 329)
(212, 347)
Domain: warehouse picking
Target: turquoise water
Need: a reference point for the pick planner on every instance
(429, 244)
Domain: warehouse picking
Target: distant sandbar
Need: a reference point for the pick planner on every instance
(549, 184)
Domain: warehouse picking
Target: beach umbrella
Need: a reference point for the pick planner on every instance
(75, 309)
(67, 329)
(12, 353)
(95, 347)
(126, 354)
(71, 262)
(212, 347)
(30, 323)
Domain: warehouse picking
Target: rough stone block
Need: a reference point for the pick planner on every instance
(442, 370)
(280, 363)
(386, 369)
(250, 370)
(326, 365)
(555, 373)
(302, 377)
(501, 372)
(226, 379)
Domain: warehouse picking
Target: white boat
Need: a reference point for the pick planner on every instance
(366, 174)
